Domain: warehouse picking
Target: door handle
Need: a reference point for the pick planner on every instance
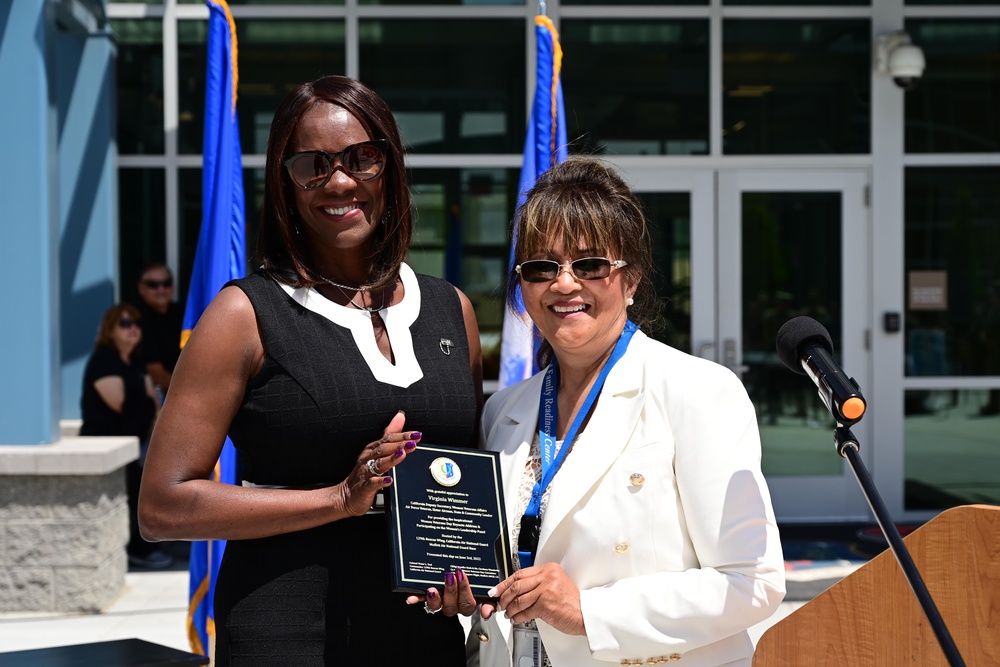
(729, 358)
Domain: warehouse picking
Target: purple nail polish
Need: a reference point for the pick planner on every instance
(387, 480)
(459, 574)
(410, 446)
(416, 435)
(449, 579)
(399, 452)
(431, 593)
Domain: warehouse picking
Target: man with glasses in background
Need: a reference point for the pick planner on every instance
(162, 319)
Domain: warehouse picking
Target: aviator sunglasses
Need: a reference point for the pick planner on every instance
(158, 284)
(311, 170)
(587, 268)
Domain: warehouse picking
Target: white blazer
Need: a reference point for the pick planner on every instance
(674, 569)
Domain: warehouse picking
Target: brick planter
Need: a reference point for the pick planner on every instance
(63, 524)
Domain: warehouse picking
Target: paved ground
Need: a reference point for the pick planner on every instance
(153, 605)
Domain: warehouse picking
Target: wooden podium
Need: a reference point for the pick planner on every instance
(872, 618)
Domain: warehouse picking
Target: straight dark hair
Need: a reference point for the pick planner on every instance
(279, 248)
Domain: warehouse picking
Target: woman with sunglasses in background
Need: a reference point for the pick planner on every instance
(118, 399)
(325, 367)
(641, 524)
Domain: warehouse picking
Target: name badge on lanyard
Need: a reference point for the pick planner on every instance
(551, 460)
(527, 646)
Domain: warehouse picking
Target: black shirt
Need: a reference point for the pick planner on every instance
(161, 335)
(138, 409)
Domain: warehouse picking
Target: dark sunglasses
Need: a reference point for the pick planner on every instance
(126, 323)
(547, 270)
(312, 170)
(156, 284)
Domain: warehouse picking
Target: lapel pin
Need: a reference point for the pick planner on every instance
(445, 346)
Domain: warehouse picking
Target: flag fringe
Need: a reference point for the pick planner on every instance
(234, 46)
(194, 637)
(546, 22)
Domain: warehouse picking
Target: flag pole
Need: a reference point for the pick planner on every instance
(545, 145)
(220, 257)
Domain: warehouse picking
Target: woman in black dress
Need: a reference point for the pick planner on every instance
(325, 367)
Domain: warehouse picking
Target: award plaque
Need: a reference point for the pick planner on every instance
(446, 511)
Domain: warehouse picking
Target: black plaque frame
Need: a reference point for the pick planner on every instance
(435, 528)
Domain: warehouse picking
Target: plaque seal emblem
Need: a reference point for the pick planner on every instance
(445, 471)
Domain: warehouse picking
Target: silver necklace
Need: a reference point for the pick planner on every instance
(363, 288)
(350, 299)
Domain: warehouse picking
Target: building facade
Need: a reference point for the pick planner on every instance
(789, 157)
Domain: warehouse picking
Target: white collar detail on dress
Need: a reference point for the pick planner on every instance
(397, 319)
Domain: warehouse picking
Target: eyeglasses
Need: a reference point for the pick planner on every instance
(126, 323)
(158, 284)
(312, 170)
(587, 268)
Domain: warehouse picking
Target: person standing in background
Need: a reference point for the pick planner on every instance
(162, 319)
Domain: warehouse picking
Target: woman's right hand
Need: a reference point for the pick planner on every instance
(376, 460)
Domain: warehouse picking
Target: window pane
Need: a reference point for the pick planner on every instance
(461, 234)
(141, 225)
(796, 87)
(781, 230)
(465, 91)
(139, 69)
(968, 421)
(636, 87)
(952, 271)
(953, 106)
(669, 216)
(798, 3)
(670, 3)
(949, 2)
(189, 225)
(274, 57)
(441, 2)
(267, 2)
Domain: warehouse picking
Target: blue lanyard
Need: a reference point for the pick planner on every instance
(551, 460)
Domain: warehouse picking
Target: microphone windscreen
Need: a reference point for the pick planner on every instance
(795, 334)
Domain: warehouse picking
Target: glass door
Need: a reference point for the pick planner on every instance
(796, 243)
(680, 206)
(739, 253)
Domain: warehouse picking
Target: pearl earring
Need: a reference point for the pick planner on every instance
(630, 301)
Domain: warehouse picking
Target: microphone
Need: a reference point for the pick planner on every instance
(805, 347)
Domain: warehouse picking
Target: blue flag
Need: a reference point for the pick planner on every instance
(544, 146)
(219, 258)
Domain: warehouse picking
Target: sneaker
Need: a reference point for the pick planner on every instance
(155, 560)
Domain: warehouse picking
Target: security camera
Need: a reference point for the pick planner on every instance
(898, 57)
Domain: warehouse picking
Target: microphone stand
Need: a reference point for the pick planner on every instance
(848, 448)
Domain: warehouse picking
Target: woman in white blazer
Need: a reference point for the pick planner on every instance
(656, 540)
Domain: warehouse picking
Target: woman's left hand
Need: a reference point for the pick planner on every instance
(456, 599)
(544, 592)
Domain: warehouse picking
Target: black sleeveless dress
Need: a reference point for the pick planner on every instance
(322, 596)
